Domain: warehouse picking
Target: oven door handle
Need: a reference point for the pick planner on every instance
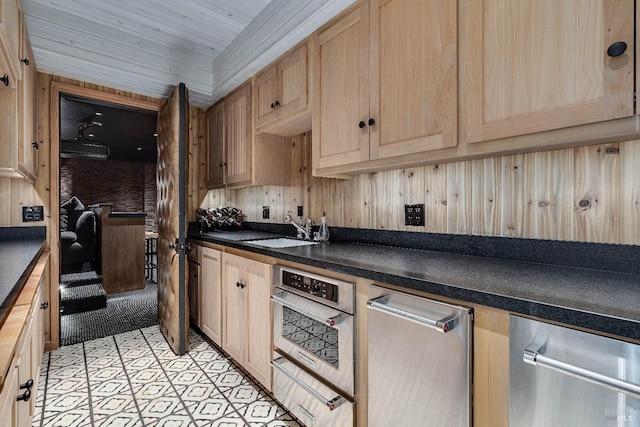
(329, 403)
(443, 325)
(329, 321)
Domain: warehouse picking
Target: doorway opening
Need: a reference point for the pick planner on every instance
(107, 155)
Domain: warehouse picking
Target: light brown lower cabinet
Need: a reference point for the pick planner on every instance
(246, 293)
(18, 394)
(211, 294)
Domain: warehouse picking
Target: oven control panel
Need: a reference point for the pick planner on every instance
(310, 285)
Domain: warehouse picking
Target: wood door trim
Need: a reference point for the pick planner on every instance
(58, 88)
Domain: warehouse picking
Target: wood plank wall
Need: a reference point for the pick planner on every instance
(588, 194)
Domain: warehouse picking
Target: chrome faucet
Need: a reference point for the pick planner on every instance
(302, 224)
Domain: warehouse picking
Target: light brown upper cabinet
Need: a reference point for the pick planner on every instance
(216, 130)
(10, 40)
(28, 112)
(281, 96)
(386, 79)
(536, 65)
(238, 158)
(18, 104)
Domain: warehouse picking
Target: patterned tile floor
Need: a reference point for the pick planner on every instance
(134, 379)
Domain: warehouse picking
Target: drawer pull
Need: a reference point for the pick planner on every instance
(26, 396)
(27, 385)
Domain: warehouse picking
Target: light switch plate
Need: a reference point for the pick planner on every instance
(265, 212)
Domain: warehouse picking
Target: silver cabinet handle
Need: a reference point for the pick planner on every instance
(329, 321)
(532, 356)
(329, 403)
(441, 325)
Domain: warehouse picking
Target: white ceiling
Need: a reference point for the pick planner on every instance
(149, 46)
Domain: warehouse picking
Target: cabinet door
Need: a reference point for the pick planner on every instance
(216, 133)
(211, 301)
(23, 363)
(10, 37)
(292, 83)
(28, 108)
(233, 324)
(8, 404)
(37, 340)
(193, 291)
(413, 76)
(258, 303)
(266, 95)
(535, 65)
(239, 135)
(342, 101)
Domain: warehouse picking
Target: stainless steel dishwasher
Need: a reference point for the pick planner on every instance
(562, 377)
(419, 361)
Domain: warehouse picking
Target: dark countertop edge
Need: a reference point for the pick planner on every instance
(621, 327)
(5, 309)
(23, 233)
(127, 214)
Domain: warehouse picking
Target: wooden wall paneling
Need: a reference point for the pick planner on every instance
(629, 193)
(276, 200)
(435, 202)
(196, 162)
(364, 203)
(388, 198)
(5, 208)
(512, 198)
(596, 195)
(459, 197)
(551, 207)
(486, 203)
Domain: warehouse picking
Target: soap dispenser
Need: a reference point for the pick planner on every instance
(323, 232)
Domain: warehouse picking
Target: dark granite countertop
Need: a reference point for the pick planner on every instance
(19, 251)
(601, 300)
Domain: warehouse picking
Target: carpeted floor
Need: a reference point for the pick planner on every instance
(125, 312)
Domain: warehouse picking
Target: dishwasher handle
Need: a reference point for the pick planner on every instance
(532, 356)
(443, 325)
(329, 403)
(329, 321)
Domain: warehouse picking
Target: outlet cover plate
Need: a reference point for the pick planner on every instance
(32, 213)
(414, 215)
(265, 212)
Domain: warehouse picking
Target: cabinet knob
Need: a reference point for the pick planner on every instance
(277, 104)
(25, 61)
(372, 122)
(616, 49)
(362, 124)
(273, 105)
(26, 396)
(240, 285)
(44, 305)
(27, 385)
(35, 144)
(5, 79)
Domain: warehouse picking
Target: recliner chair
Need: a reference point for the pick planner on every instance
(77, 236)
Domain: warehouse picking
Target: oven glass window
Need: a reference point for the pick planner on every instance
(311, 335)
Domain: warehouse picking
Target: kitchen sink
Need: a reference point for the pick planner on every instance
(282, 242)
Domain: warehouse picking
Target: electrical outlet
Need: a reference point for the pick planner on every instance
(265, 212)
(32, 213)
(414, 215)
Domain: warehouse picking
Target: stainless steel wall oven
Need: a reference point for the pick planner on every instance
(314, 337)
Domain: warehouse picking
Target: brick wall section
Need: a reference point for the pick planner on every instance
(130, 186)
